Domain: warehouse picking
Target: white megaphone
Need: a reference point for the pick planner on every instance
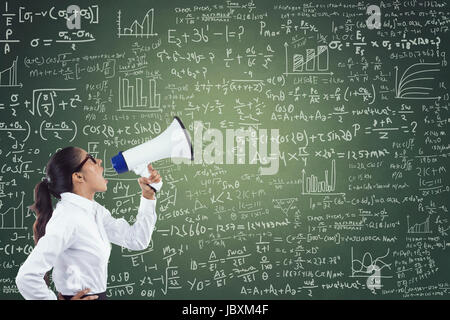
(174, 142)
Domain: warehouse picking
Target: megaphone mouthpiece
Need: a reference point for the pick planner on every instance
(174, 142)
(119, 164)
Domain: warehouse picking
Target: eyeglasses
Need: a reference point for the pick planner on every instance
(88, 156)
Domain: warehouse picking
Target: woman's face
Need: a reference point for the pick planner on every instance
(93, 174)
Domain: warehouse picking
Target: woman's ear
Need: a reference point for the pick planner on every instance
(77, 177)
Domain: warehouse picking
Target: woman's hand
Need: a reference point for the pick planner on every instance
(148, 192)
(79, 296)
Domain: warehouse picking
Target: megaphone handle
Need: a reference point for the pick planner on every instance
(156, 186)
(143, 172)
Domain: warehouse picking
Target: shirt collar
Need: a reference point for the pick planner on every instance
(79, 201)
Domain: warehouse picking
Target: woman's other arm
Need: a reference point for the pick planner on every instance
(59, 234)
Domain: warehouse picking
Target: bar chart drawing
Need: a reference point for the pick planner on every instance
(315, 185)
(8, 76)
(13, 218)
(137, 29)
(139, 96)
(313, 61)
(423, 227)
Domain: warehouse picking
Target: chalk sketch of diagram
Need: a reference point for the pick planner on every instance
(370, 268)
(284, 204)
(417, 81)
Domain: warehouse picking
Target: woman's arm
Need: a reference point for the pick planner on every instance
(137, 236)
(30, 278)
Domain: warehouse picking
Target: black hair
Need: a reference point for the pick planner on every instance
(58, 180)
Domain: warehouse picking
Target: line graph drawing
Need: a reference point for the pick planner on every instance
(137, 29)
(419, 73)
(423, 227)
(370, 268)
(8, 76)
(13, 218)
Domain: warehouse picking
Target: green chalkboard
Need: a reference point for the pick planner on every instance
(320, 134)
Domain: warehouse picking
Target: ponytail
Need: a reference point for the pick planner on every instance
(43, 208)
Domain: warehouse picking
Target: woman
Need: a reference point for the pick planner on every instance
(75, 238)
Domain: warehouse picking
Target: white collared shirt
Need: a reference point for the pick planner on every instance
(77, 245)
